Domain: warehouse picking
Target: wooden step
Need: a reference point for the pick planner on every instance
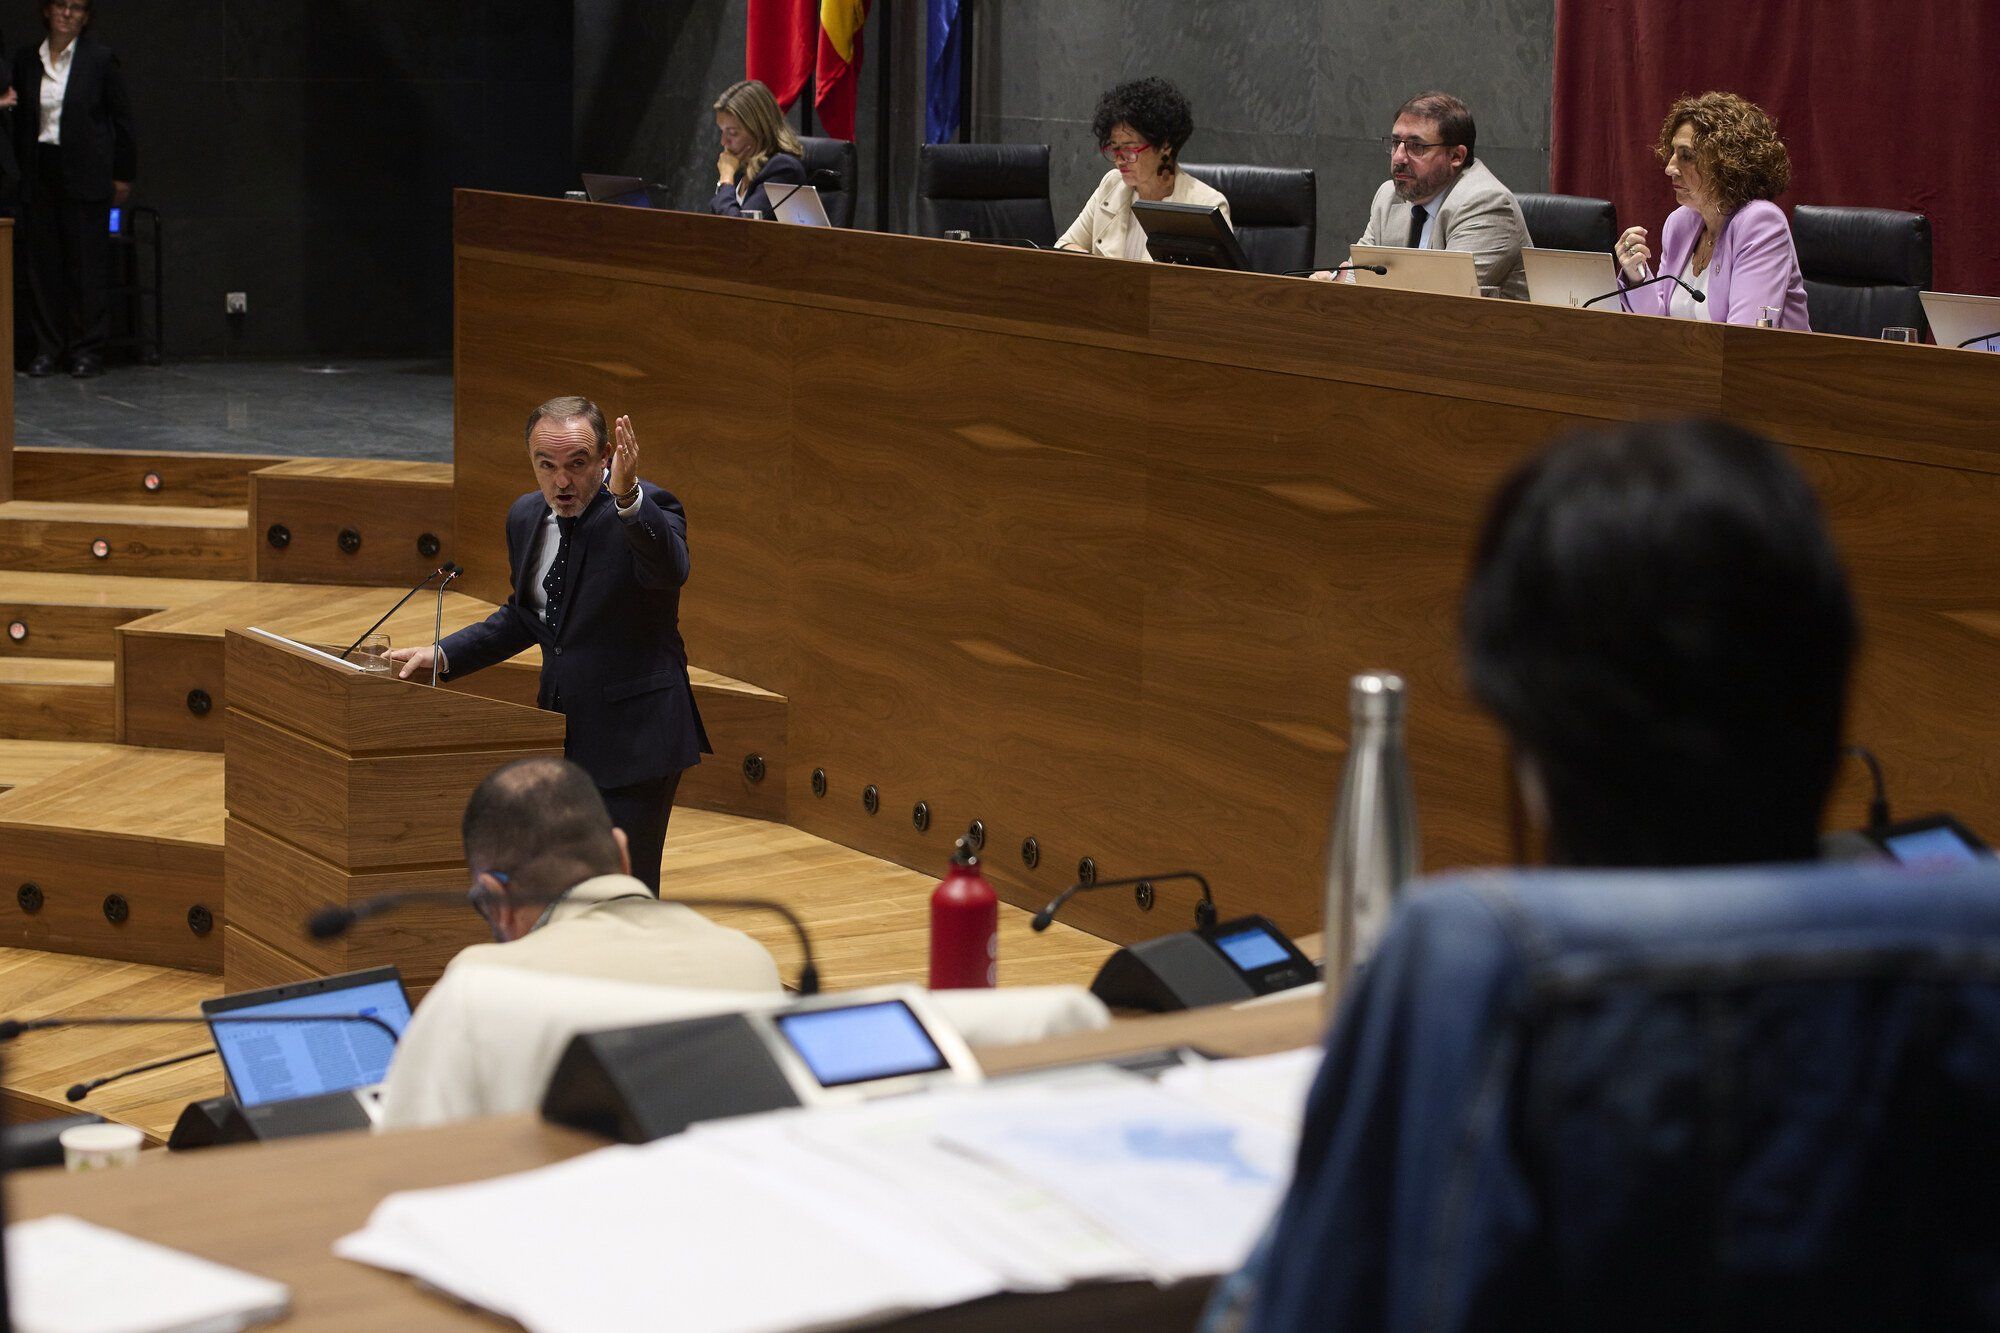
(57, 699)
(136, 476)
(24, 763)
(142, 825)
(384, 522)
(76, 615)
(159, 541)
(41, 1066)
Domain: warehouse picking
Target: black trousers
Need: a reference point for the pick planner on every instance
(643, 810)
(68, 251)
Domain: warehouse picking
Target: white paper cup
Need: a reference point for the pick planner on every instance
(96, 1147)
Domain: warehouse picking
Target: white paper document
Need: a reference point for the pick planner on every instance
(66, 1275)
(1189, 1187)
(809, 1219)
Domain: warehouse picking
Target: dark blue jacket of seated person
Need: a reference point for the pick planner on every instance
(1735, 1099)
(782, 170)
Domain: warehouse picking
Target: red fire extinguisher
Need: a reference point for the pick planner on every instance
(965, 926)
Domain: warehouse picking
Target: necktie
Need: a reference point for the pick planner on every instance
(554, 583)
(1417, 216)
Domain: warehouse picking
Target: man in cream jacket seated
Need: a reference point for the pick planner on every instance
(583, 946)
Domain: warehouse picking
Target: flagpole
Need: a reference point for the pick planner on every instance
(965, 8)
(884, 124)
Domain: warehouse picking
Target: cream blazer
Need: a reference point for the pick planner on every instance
(1104, 227)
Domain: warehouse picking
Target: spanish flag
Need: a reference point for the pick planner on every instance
(838, 77)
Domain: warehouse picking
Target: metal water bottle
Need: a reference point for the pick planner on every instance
(965, 926)
(1373, 846)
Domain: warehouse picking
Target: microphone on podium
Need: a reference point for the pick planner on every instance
(1982, 338)
(332, 922)
(449, 569)
(1204, 911)
(1696, 294)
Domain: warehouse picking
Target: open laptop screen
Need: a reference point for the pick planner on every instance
(279, 1061)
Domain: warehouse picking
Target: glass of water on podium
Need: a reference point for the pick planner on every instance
(372, 653)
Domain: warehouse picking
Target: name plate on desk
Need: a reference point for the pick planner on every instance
(643, 1083)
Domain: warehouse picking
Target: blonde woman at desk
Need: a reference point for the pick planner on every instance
(758, 149)
(1141, 127)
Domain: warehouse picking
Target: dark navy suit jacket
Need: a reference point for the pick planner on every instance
(99, 144)
(783, 170)
(614, 665)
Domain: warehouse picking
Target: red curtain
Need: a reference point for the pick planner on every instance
(1881, 103)
(779, 45)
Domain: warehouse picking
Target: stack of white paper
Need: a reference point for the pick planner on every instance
(809, 1219)
(65, 1275)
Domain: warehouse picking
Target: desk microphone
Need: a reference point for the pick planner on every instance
(1377, 269)
(1982, 338)
(1204, 911)
(778, 203)
(1699, 296)
(78, 1091)
(332, 922)
(14, 1027)
(448, 569)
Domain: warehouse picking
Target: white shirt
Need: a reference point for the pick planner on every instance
(55, 84)
(1682, 306)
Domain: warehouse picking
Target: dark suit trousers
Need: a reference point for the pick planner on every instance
(68, 243)
(643, 810)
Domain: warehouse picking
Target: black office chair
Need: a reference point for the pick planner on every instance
(1569, 222)
(1863, 268)
(830, 169)
(992, 190)
(1273, 209)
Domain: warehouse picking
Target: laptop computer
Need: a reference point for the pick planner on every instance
(1954, 319)
(617, 190)
(799, 205)
(1443, 272)
(293, 1078)
(1569, 277)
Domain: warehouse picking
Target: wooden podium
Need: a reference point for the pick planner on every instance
(341, 785)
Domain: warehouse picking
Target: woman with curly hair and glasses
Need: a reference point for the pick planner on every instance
(1727, 240)
(1141, 127)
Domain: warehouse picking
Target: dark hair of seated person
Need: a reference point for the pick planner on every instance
(1659, 622)
(1155, 109)
(543, 824)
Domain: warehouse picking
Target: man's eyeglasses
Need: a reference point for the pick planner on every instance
(1414, 147)
(1122, 152)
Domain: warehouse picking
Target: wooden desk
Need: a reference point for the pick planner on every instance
(276, 1209)
(1088, 550)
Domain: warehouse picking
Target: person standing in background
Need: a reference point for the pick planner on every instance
(78, 153)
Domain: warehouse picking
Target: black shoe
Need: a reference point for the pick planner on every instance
(42, 367)
(86, 368)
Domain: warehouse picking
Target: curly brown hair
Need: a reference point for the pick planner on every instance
(1736, 147)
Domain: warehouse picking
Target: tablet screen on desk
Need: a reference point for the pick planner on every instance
(1933, 848)
(861, 1043)
(1251, 949)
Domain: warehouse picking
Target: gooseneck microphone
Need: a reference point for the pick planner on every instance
(448, 569)
(1204, 911)
(1697, 295)
(332, 922)
(78, 1091)
(14, 1027)
(1377, 269)
(1982, 338)
(451, 570)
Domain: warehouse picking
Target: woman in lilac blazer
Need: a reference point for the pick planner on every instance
(1727, 239)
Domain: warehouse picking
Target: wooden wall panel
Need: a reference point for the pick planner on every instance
(391, 505)
(1094, 561)
(118, 476)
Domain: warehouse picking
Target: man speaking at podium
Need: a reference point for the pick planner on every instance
(597, 577)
